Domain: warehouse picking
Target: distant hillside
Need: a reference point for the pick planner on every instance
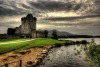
(60, 33)
(63, 34)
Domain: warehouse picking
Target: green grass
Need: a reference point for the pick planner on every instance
(94, 52)
(10, 40)
(25, 45)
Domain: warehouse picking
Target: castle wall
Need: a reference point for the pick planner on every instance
(40, 34)
(18, 30)
(34, 34)
(25, 29)
(28, 24)
(28, 27)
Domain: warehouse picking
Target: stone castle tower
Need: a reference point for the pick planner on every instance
(28, 26)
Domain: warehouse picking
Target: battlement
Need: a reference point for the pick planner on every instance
(29, 17)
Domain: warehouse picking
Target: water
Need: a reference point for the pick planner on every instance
(65, 56)
(97, 40)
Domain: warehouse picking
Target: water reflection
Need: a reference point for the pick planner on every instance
(65, 57)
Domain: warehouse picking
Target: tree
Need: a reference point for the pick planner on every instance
(46, 33)
(54, 34)
(11, 31)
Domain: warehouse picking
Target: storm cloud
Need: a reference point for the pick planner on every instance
(75, 16)
(13, 7)
(71, 18)
(55, 5)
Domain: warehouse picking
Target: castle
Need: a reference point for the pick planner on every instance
(27, 29)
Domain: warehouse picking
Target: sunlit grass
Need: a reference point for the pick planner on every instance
(25, 45)
(11, 40)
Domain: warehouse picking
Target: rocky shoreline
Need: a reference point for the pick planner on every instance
(40, 57)
(65, 56)
(30, 57)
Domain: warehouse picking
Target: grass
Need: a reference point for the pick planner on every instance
(25, 45)
(43, 42)
(10, 40)
(94, 52)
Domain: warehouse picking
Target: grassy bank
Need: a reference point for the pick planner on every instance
(25, 45)
(94, 52)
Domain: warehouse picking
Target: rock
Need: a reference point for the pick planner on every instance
(29, 64)
(44, 51)
(25, 52)
(13, 56)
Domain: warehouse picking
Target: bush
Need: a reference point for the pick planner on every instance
(69, 43)
(94, 52)
(77, 42)
(81, 42)
(57, 45)
(84, 42)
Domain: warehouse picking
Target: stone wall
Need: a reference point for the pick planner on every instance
(40, 34)
(28, 24)
(27, 27)
(3, 36)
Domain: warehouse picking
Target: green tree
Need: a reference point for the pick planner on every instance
(46, 33)
(54, 34)
(11, 31)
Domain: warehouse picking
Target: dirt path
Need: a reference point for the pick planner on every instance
(25, 55)
(16, 42)
(66, 56)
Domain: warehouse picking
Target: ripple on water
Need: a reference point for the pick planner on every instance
(64, 57)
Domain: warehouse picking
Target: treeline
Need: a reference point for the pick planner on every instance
(79, 36)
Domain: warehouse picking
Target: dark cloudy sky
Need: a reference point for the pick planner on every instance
(74, 16)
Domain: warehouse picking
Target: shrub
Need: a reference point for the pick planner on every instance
(84, 42)
(94, 52)
(81, 42)
(57, 45)
(77, 42)
(69, 43)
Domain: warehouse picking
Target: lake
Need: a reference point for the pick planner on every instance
(65, 56)
(97, 40)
